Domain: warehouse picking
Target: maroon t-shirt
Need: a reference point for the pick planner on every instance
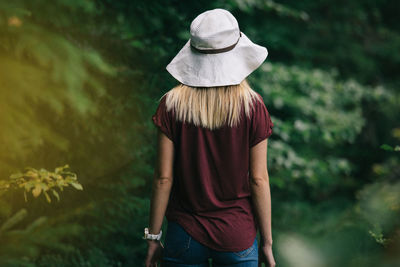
(210, 196)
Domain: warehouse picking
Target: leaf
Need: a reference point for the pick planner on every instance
(44, 186)
(4, 184)
(36, 223)
(16, 218)
(30, 168)
(28, 185)
(32, 174)
(386, 147)
(137, 44)
(60, 169)
(70, 176)
(37, 190)
(16, 175)
(47, 196)
(77, 185)
(56, 194)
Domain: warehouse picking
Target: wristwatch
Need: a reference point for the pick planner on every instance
(151, 236)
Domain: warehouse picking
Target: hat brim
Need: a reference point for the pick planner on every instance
(227, 68)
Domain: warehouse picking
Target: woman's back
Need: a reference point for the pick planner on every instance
(211, 196)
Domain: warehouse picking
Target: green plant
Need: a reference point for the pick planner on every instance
(38, 181)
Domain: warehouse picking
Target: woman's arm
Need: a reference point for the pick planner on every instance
(259, 185)
(162, 182)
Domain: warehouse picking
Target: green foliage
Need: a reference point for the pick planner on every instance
(313, 112)
(381, 199)
(36, 235)
(60, 77)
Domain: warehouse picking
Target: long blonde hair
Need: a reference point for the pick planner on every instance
(211, 107)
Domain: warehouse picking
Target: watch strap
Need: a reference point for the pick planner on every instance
(149, 236)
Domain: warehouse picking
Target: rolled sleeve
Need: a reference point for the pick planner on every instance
(261, 125)
(163, 120)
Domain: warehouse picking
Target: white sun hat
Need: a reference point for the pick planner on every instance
(217, 53)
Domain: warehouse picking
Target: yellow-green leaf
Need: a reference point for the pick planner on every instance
(56, 194)
(16, 175)
(32, 174)
(44, 186)
(77, 185)
(47, 196)
(59, 169)
(36, 191)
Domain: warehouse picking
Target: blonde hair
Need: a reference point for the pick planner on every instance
(211, 107)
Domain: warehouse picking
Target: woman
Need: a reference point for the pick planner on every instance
(211, 178)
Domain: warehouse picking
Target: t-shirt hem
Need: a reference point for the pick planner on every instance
(194, 234)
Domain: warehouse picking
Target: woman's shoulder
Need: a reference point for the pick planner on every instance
(258, 102)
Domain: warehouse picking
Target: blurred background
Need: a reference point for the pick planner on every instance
(80, 79)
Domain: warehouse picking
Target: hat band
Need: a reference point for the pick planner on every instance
(218, 50)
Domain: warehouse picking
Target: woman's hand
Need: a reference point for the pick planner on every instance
(265, 256)
(154, 253)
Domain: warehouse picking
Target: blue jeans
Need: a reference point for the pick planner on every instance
(182, 250)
